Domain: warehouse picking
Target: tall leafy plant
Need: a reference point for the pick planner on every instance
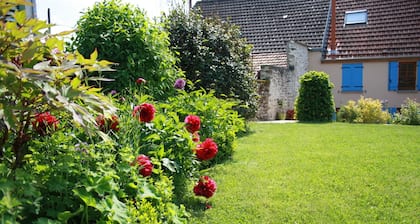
(123, 34)
(214, 56)
(315, 101)
(38, 78)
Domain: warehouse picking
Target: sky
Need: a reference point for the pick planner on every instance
(65, 13)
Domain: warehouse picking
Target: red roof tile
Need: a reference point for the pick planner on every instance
(392, 30)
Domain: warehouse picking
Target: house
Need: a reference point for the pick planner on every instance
(281, 31)
(369, 48)
(373, 50)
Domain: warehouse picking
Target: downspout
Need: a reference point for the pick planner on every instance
(326, 32)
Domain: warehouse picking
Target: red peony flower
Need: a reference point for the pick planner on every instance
(140, 81)
(144, 112)
(192, 123)
(146, 166)
(44, 123)
(206, 150)
(205, 187)
(106, 124)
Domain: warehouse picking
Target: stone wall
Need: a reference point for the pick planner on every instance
(278, 86)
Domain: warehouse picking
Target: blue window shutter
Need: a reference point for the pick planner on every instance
(418, 75)
(352, 77)
(392, 110)
(393, 76)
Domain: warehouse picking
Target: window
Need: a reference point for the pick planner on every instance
(352, 77)
(404, 76)
(355, 17)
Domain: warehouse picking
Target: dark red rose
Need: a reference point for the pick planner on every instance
(192, 123)
(205, 187)
(206, 150)
(140, 81)
(44, 123)
(146, 166)
(144, 112)
(106, 124)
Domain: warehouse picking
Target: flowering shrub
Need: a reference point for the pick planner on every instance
(146, 167)
(44, 123)
(218, 120)
(71, 175)
(192, 123)
(107, 124)
(144, 112)
(206, 150)
(205, 187)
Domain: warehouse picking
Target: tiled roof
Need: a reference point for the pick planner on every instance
(277, 59)
(269, 24)
(392, 30)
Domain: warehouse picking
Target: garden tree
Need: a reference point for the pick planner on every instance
(214, 56)
(315, 101)
(122, 34)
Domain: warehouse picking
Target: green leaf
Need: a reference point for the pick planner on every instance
(20, 16)
(75, 83)
(86, 197)
(66, 215)
(171, 165)
(94, 55)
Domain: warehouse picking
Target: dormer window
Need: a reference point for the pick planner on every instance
(355, 17)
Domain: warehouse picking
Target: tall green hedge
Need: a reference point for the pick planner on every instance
(315, 101)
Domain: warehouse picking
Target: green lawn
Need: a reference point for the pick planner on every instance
(320, 173)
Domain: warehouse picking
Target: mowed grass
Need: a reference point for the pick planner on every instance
(319, 173)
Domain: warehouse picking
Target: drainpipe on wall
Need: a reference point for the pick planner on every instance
(333, 27)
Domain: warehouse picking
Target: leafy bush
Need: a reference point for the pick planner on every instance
(218, 120)
(367, 110)
(122, 34)
(315, 101)
(214, 57)
(409, 113)
(348, 113)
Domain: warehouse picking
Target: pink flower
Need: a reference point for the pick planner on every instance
(145, 112)
(205, 187)
(192, 123)
(146, 167)
(44, 123)
(206, 150)
(140, 81)
(106, 124)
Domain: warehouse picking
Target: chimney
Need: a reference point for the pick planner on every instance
(333, 26)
